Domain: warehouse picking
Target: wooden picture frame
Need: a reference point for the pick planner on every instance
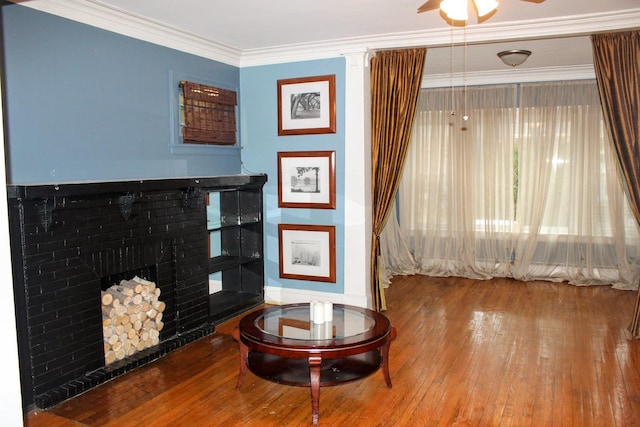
(307, 179)
(307, 105)
(307, 252)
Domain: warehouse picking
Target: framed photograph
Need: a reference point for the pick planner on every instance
(307, 105)
(307, 252)
(307, 179)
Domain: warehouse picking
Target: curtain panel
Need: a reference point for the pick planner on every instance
(616, 58)
(527, 187)
(395, 82)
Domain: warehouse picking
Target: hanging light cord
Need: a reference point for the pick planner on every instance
(465, 117)
(453, 106)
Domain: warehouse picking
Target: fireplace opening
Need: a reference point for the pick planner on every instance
(132, 313)
(149, 272)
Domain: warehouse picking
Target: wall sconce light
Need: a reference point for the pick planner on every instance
(514, 57)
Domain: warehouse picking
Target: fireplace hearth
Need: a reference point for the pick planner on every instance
(72, 241)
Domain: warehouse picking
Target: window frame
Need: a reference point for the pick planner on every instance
(176, 145)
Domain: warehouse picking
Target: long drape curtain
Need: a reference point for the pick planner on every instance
(395, 83)
(616, 59)
(527, 187)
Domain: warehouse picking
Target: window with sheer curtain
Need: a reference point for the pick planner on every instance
(527, 187)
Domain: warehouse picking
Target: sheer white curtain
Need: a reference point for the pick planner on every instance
(527, 187)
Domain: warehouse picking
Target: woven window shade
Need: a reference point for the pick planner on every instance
(209, 114)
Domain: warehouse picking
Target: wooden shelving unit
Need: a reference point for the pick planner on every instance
(235, 239)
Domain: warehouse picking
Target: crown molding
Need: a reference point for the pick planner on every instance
(100, 15)
(565, 26)
(510, 75)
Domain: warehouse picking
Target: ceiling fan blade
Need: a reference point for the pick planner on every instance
(430, 5)
(534, 1)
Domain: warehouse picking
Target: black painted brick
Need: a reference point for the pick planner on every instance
(88, 236)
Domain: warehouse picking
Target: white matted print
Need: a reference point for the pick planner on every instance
(307, 105)
(307, 252)
(307, 179)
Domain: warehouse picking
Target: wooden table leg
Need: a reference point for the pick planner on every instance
(244, 353)
(385, 356)
(314, 374)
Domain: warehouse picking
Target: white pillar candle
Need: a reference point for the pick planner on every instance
(316, 331)
(328, 330)
(328, 311)
(318, 312)
(311, 304)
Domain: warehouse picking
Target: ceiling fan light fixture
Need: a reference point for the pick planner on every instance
(514, 57)
(485, 6)
(455, 9)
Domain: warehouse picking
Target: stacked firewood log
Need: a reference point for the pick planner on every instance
(131, 318)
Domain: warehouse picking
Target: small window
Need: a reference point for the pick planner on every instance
(207, 114)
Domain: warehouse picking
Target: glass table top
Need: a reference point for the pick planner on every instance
(294, 323)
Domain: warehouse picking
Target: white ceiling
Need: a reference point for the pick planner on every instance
(254, 24)
(556, 31)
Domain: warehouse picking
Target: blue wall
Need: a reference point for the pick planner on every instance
(261, 145)
(87, 104)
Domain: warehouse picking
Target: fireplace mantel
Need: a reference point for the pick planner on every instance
(81, 188)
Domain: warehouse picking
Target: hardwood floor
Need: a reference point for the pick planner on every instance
(473, 353)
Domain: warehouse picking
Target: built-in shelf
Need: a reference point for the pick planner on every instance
(235, 248)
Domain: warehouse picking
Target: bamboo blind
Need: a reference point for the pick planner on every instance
(209, 114)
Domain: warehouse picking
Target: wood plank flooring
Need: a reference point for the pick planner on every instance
(468, 353)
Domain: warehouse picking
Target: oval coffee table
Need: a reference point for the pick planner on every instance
(282, 345)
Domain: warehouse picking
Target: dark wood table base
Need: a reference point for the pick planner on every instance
(313, 371)
(295, 372)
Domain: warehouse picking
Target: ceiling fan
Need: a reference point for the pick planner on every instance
(457, 9)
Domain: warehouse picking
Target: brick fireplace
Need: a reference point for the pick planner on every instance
(71, 241)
